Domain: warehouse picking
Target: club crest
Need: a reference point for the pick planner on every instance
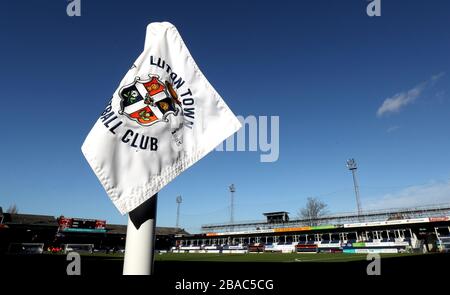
(150, 101)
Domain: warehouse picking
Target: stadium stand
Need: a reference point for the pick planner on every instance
(33, 234)
(425, 229)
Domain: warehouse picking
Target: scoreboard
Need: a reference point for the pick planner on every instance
(81, 225)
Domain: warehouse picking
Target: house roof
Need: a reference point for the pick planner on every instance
(275, 213)
(29, 219)
(47, 220)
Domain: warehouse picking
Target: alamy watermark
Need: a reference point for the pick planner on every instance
(74, 267)
(374, 267)
(374, 8)
(73, 8)
(255, 131)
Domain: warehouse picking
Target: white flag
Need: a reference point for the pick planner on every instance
(163, 117)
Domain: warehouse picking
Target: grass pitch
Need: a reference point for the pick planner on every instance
(271, 257)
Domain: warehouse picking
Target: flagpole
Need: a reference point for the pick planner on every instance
(140, 240)
(141, 236)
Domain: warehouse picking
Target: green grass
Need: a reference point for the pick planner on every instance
(270, 257)
(252, 257)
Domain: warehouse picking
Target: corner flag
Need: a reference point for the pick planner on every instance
(163, 117)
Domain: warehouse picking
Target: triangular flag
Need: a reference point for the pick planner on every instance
(163, 117)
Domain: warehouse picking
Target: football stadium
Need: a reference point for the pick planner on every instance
(409, 230)
(116, 111)
(409, 241)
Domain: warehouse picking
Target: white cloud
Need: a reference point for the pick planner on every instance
(397, 102)
(400, 100)
(392, 129)
(420, 195)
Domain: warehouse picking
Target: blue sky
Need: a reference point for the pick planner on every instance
(343, 84)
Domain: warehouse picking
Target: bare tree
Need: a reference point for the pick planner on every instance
(12, 209)
(314, 209)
